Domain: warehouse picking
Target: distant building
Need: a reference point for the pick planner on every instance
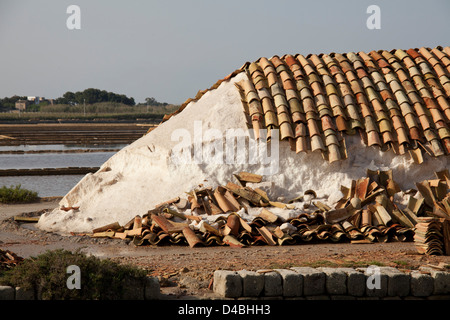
(36, 100)
(21, 105)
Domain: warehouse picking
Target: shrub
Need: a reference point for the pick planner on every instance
(47, 276)
(16, 194)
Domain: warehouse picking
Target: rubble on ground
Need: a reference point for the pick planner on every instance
(8, 259)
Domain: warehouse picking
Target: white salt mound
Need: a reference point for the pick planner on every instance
(144, 174)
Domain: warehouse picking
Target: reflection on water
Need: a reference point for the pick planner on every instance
(45, 186)
(53, 160)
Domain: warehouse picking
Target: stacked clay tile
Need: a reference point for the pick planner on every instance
(395, 100)
(428, 237)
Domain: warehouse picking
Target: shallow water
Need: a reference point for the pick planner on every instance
(53, 160)
(48, 186)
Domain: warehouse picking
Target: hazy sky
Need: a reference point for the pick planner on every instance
(171, 49)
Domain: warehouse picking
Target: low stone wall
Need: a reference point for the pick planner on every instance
(149, 290)
(333, 283)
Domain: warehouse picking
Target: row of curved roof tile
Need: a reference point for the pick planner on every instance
(394, 99)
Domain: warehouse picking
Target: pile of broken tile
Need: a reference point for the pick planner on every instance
(8, 259)
(369, 211)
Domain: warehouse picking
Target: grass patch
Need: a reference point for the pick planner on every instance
(47, 276)
(403, 264)
(323, 263)
(15, 194)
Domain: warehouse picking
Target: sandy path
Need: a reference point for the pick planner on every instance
(9, 210)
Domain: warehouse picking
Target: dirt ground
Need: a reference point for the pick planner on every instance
(184, 272)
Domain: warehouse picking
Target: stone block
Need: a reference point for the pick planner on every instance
(292, 282)
(313, 280)
(422, 285)
(7, 293)
(227, 284)
(273, 284)
(152, 288)
(356, 282)
(252, 283)
(22, 294)
(441, 280)
(376, 281)
(398, 282)
(133, 289)
(335, 282)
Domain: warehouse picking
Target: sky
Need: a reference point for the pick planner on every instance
(171, 49)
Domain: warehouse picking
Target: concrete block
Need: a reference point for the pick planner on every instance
(313, 280)
(7, 293)
(356, 282)
(422, 285)
(292, 282)
(22, 294)
(227, 284)
(152, 289)
(441, 280)
(335, 282)
(398, 282)
(252, 283)
(273, 284)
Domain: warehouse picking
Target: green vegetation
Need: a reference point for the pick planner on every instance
(89, 104)
(9, 103)
(91, 95)
(17, 195)
(47, 275)
(104, 111)
(104, 108)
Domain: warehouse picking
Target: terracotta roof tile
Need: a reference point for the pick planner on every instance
(392, 98)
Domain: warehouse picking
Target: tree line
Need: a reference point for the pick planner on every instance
(91, 96)
(88, 96)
